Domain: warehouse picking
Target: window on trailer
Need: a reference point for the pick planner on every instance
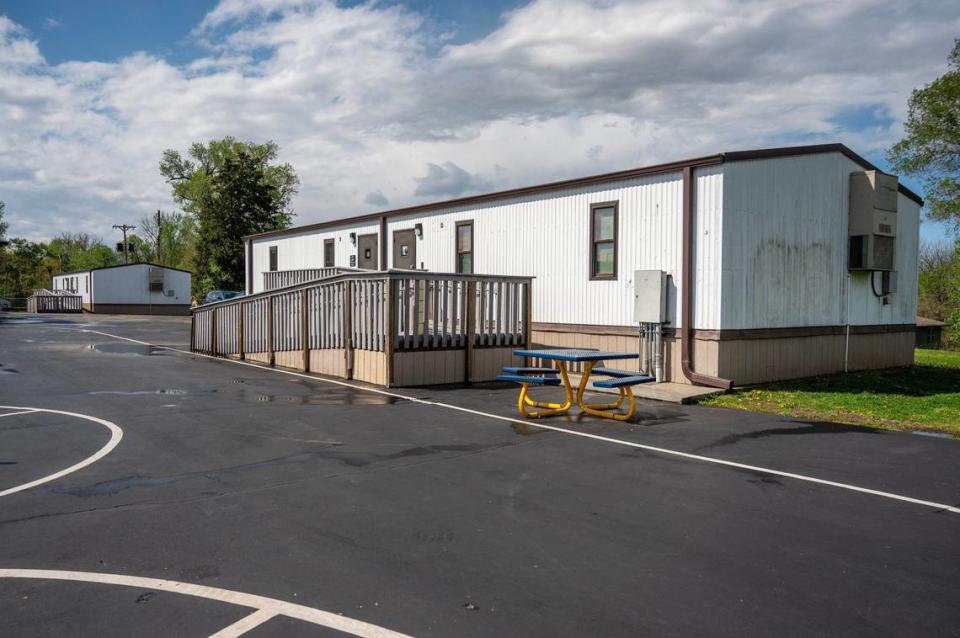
(465, 247)
(273, 258)
(603, 240)
(328, 248)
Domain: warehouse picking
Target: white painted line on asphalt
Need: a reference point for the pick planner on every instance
(245, 624)
(115, 435)
(271, 606)
(16, 413)
(553, 428)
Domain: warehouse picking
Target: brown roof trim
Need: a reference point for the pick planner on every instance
(139, 263)
(813, 149)
(656, 169)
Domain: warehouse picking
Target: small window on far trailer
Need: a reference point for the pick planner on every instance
(465, 247)
(273, 258)
(603, 240)
(328, 253)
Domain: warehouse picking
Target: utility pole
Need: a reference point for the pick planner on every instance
(126, 246)
(159, 256)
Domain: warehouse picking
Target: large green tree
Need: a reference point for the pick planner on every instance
(232, 189)
(931, 148)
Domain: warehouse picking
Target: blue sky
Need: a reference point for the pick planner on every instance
(419, 99)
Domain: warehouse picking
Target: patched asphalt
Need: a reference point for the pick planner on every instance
(436, 522)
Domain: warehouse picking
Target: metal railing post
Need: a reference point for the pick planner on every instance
(213, 332)
(390, 338)
(469, 328)
(348, 326)
(270, 358)
(305, 328)
(241, 346)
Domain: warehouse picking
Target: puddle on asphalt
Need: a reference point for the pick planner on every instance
(124, 348)
(333, 397)
(138, 392)
(30, 320)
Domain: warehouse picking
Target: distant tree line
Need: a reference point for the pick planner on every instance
(227, 189)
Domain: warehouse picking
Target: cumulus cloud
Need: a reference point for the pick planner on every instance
(448, 180)
(360, 98)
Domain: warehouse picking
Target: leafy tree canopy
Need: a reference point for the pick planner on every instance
(232, 189)
(931, 148)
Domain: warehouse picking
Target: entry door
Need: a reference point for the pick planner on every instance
(367, 249)
(405, 249)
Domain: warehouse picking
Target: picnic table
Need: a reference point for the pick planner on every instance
(622, 380)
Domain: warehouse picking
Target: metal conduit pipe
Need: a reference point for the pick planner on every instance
(686, 302)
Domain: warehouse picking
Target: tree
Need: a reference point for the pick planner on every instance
(3, 225)
(171, 238)
(232, 188)
(79, 251)
(931, 148)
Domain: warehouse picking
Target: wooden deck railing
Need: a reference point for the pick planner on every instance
(308, 326)
(276, 279)
(54, 301)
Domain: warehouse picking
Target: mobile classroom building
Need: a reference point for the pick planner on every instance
(139, 289)
(776, 263)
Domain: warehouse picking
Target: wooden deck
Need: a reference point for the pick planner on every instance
(391, 328)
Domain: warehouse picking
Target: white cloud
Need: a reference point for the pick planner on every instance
(362, 98)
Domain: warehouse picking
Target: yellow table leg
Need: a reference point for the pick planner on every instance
(605, 410)
(548, 408)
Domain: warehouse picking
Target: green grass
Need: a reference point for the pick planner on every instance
(925, 396)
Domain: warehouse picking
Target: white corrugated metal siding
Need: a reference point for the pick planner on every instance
(548, 236)
(305, 249)
(785, 247)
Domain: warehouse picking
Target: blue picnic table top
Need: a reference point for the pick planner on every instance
(575, 355)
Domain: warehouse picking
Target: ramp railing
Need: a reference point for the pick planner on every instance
(44, 300)
(361, 324)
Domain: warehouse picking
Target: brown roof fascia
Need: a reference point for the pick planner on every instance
(656, 169)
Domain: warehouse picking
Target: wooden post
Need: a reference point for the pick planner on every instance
(348, 326)
(270, 329)
(241, 346)
(469, 327)
(305, 328)
(213, 332)
(390, 339)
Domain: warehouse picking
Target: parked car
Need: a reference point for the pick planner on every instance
(5, 305)
(220, 295)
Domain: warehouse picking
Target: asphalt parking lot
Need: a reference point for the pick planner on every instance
(248, 501)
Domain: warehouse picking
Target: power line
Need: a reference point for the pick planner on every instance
(126, 246)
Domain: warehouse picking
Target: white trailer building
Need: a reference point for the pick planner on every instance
(778, 263)
(146, 289)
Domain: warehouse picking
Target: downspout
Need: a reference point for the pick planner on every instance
(686, 301)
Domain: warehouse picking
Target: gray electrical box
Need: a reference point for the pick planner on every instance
(649, 296)
(873, 220)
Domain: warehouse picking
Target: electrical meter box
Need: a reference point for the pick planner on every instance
(873, 220)
(649, 296)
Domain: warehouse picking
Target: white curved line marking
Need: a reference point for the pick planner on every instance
(115, 435)
(596, 437)
(262, 604)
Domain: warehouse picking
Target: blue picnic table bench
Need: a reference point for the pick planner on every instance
(621, 380)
